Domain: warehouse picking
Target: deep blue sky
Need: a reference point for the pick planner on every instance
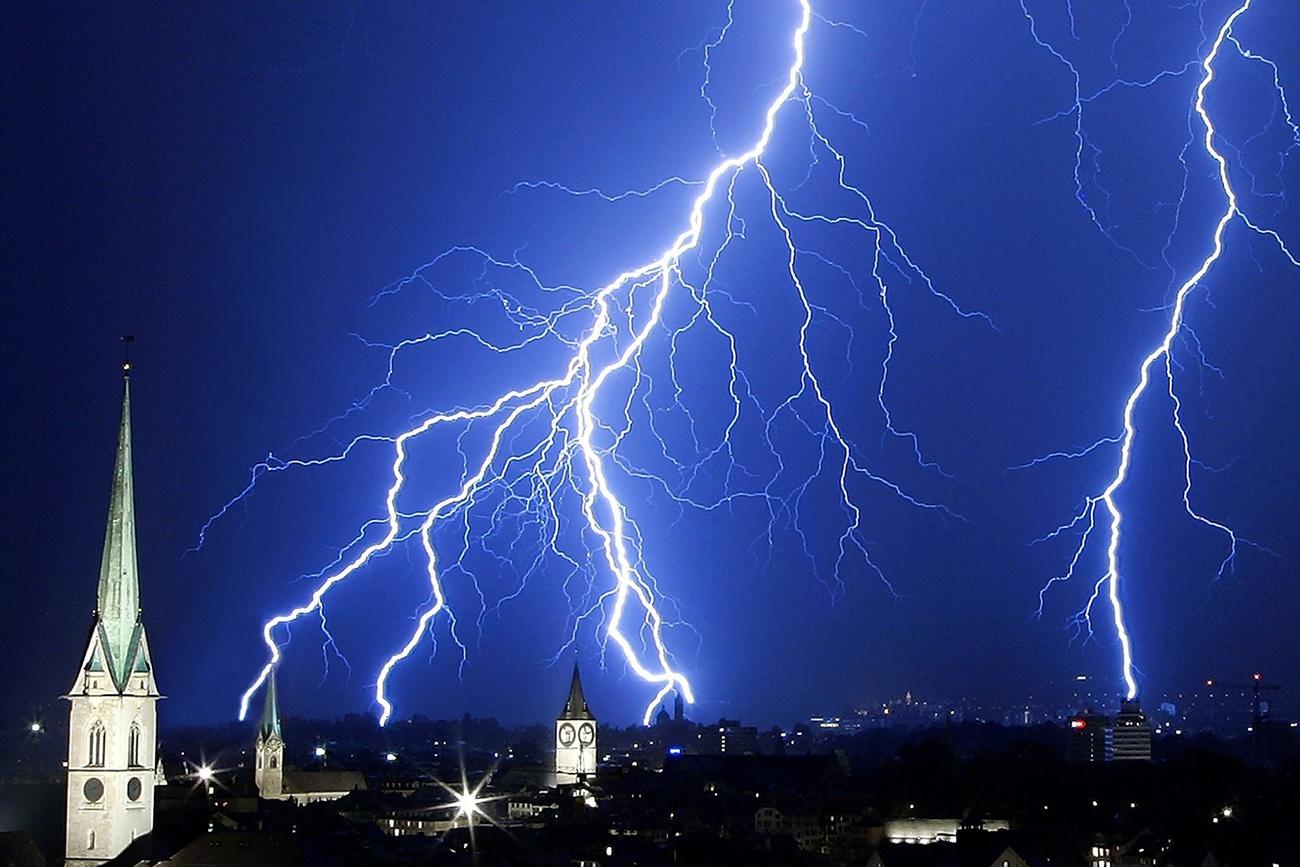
(233, 184)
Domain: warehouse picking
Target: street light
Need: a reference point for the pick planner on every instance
(467, 804)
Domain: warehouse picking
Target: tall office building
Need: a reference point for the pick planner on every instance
(1131, 734)
(1089, 738)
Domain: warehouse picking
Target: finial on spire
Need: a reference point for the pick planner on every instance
(127, 340)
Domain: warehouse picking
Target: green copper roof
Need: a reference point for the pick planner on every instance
(269, 725)
(118, 610)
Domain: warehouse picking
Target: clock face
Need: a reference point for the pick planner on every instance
(567, 734)
(93, 789)
(587, 734)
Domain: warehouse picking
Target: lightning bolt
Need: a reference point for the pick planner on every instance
(1160, 357)
(560, 436)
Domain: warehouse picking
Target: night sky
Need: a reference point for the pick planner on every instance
(235, 183)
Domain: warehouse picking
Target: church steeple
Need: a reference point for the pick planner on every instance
(269, 725)
(576, 705)
(268, 773)
(118, 608)
(112, 731)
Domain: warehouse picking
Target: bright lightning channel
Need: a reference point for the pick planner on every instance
(610, 527)
(1109, 583)
(571, 454)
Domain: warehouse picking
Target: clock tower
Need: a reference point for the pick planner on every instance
(575, 737)
(112, 746)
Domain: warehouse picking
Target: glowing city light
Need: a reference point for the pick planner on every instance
(467, 804)
(320, 752)
(36, 728)
(204, 773)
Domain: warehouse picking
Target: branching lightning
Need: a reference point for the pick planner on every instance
(546, 448)
(1161, 356)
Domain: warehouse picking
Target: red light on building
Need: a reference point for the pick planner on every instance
(1078, 724)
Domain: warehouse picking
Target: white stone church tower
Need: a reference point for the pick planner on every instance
(268, 773)
(575, 737)
(111, 749)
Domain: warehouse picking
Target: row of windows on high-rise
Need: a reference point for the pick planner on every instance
(98, 746)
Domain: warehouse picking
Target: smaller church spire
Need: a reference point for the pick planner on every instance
(576, 705)
(269, 725)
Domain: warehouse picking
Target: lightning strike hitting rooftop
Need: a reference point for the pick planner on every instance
(552, 446)
(1161, 354)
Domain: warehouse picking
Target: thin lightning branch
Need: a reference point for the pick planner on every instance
(601, 194)
(1096, 207)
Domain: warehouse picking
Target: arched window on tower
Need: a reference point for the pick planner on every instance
(97, 743)
(274, 763)
(133, 747)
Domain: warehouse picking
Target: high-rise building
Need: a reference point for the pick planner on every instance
(113, 732)
(575, 736)
(728, 737)
(1089, 738)
(1131, 734)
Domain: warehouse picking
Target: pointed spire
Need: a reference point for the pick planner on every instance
(576, 706)
(118, 610)
(269, 725)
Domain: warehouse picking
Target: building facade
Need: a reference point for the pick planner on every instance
(1131, 734)
(1089, 738)
(728, 737)
(113, 732)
